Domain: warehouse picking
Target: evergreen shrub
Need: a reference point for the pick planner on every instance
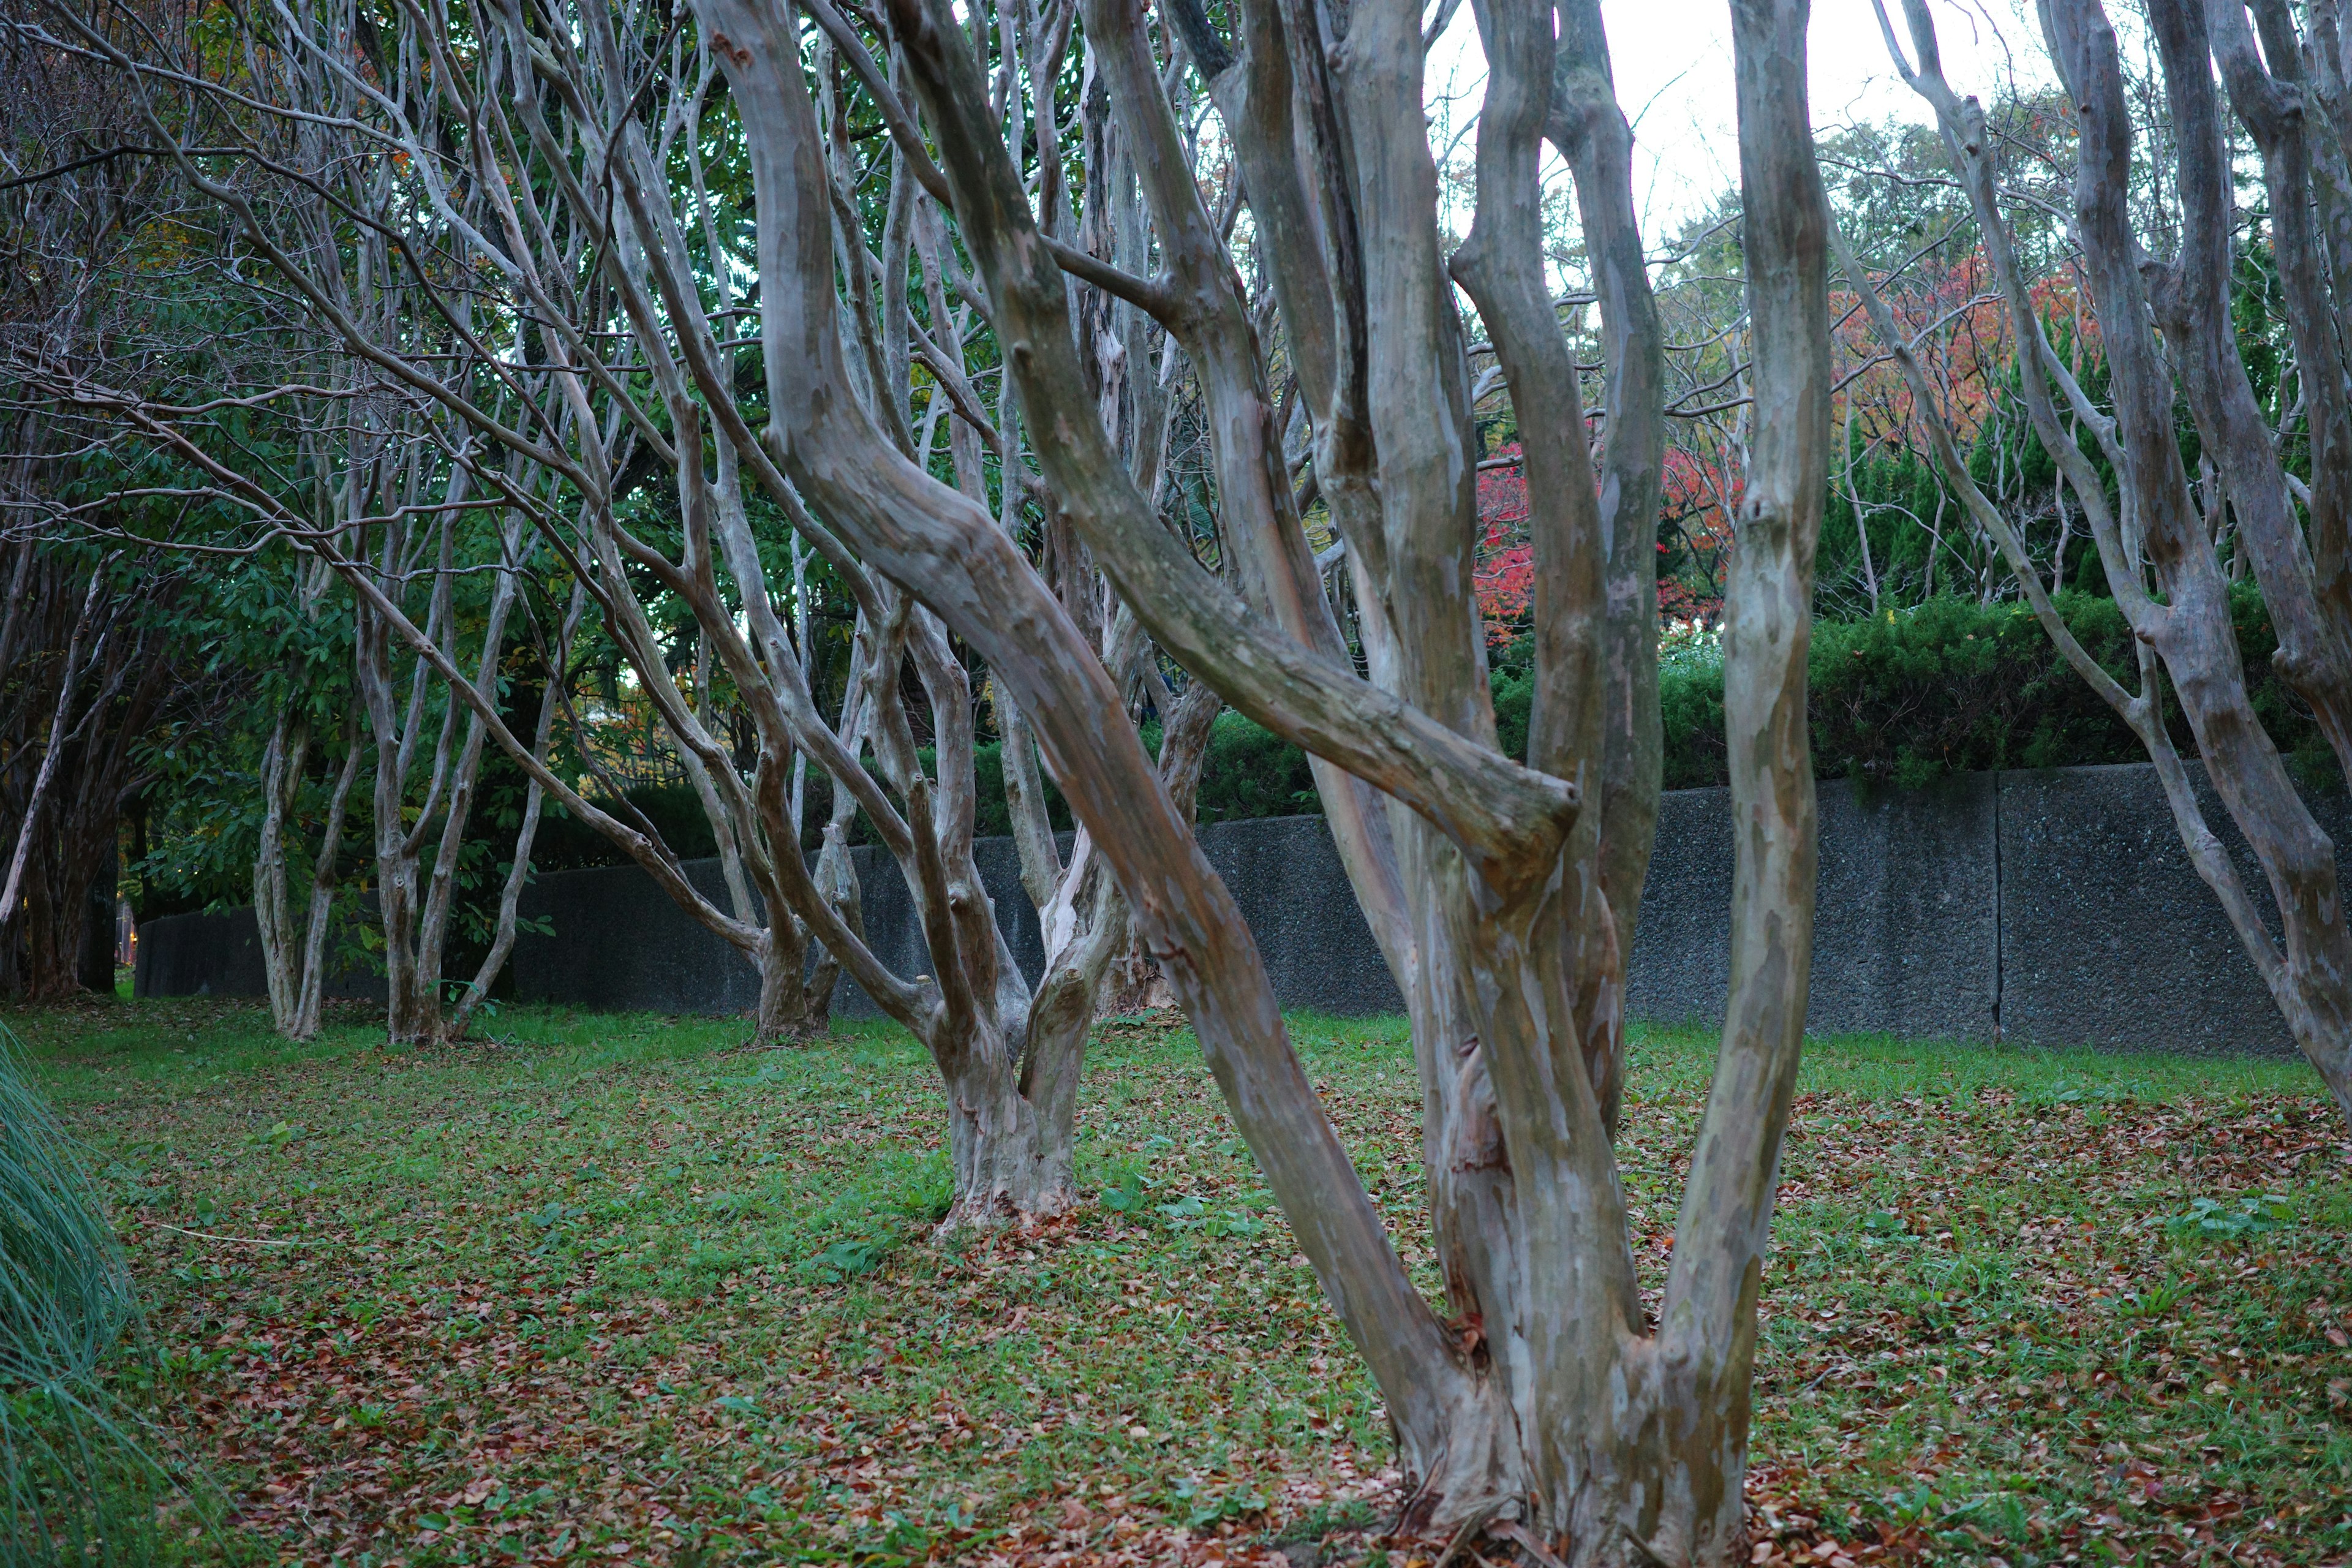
(1902, 698)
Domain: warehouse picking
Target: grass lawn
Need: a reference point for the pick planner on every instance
(615, 1287)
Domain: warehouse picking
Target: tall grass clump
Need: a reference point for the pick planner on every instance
(76, 1483)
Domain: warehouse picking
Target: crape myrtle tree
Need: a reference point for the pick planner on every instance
(392, 485)
(376, 495)
(295, 951)
(1548, 1405)
(411, 550)
(86, 670)
(87, 663)
(1009, 1053)
(420, 901)
(364, 476)
(430, 483)
(160, 323)
(2280, 480)
(500, 180)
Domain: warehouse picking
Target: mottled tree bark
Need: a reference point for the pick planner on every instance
(2159, 557)
(294, 959)
(2193, 628)
(1511, 1411)
(88, 677)
(1544, 1405)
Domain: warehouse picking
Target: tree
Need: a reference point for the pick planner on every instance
(549, 431)
(156, 317)
(85, 672)
(2170, 335)
(296, 955)
(1549, 1395)
(87, 664)
(1545, 1405)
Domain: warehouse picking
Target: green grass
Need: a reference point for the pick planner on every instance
(618, 1286)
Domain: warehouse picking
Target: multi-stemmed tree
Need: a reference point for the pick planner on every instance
(563, 153)
(157, 318)
(88, 666)
(2281, 483)
(86, 670)
(1547, 1395)
(297, 951)
(516, 408)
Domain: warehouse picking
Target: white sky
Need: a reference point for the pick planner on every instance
(1673, 65)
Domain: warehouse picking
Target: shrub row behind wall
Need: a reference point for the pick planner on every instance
(1951, 686)
(1954, 687)
(1905, 699)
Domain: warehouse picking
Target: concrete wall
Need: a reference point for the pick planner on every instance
(220, 955)
(620, 942)
(200, 955)
(1906, 911)
(2109, 937)
(2055, 907)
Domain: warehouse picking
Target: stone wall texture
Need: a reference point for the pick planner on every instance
(2054, 908)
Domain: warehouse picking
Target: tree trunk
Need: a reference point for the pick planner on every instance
(790, 1008)
(294, 960)
(1508, 1409)
(2188, 622)
(28, 828)
(412, 1012)
(1499, 891)
(1010, 1161)
(282, 757)
(1706, 1329)
(94, 964)
(319, 928)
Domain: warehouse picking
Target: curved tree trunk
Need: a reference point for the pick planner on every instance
(1518, 1401)
(282, 757)
(2186, 620)
(1547, 1405)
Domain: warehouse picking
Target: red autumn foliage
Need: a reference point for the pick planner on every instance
(1698, 495)
(1505, 574)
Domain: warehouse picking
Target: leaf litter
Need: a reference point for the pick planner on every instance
(613, 1289)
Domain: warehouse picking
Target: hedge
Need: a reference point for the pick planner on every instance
(1902, 698)
(1906, 698)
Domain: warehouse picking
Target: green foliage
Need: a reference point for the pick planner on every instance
(1126, 1195)
(1905, 699)
(565, 843)
(1250, 771)
(2212, 1219)
(1956, 686)
(273, 654)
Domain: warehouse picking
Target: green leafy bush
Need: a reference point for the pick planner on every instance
(1903, 698)
(564, 842)
(1956, 686)
(1907, 698)
(2211, 1219)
